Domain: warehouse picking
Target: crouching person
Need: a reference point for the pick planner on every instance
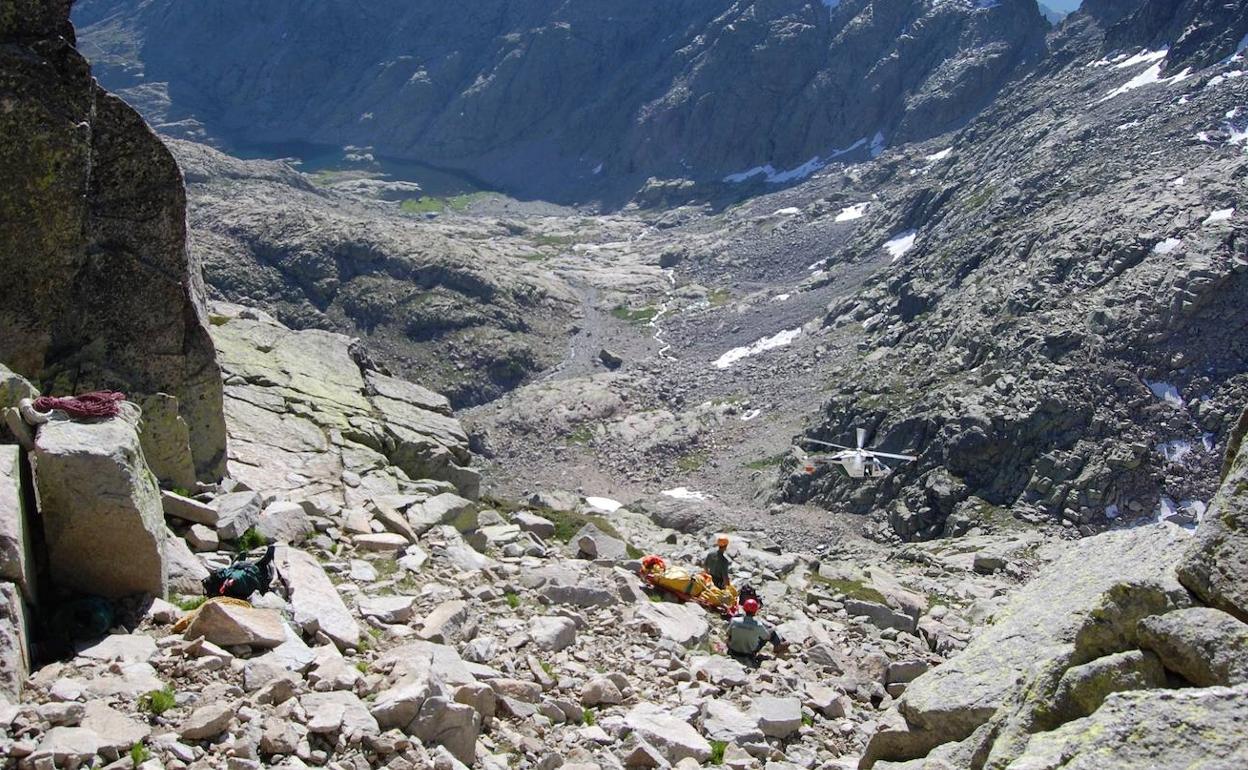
(747, 635)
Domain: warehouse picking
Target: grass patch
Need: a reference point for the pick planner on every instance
(587, 716)
(361, 666)
(427, 204)
(808, 720)
(692, 461)
(157, 702)
(853, 589)
(546, 239)
(466, 521)
(568, 523)
(639, 315)
(513, 601)
(250, 540)
(582, 436)
(139, 754)
(633, 551)
(717, 752)
(767, 462)
(549, 669)
(189, 603)
(719, 297)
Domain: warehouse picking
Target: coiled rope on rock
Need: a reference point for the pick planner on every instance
(101, 403)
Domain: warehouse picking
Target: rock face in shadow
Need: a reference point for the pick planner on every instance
(99, 290)
(544, 97)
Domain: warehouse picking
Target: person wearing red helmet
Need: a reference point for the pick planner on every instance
(747, 635)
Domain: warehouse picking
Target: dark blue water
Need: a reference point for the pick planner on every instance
(315, 158)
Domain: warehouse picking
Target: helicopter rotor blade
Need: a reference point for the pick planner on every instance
(824, 443)
(893, 456)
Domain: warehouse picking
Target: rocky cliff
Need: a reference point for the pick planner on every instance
(568, 100)
(99, 290)
(1058, 326)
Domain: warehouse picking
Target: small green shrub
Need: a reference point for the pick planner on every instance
(189, 603)
(513, 601)
(250, 540)
(157, 702)
(139, 754)
(361, 666)
(717, 752)
(640, 315)
(587, 716)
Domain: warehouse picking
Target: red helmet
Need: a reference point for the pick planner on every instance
(750, 606)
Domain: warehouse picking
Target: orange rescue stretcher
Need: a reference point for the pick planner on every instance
(688, 586)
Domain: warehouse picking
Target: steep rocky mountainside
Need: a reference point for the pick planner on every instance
(92, 209)
(566, 100)
(1063, 331)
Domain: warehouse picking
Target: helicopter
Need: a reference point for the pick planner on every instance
(858, 462)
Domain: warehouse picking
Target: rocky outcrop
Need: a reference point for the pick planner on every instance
(99, 289)
(561, 99)
(1002, 687)
(100, 507)
(309, 423)
(1215, 566)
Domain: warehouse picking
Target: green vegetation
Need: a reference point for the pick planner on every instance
(250, 540)
(581, 436)
(854, 589)
(719, 297)
(549, 669)
(587, 716)
(183, 491)
(513, 601)
(717, 752)
(426, 204)
(546, 239)
(979, 197)
(808, 720)
(139, 754)
(633, 551)
(467, 521)
(157, 702)
(361, 666)
(692, 461)
(766, 462)
(568, 523)
(640, 315)
(189, 603)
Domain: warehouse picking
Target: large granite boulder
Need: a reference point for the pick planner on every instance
(99, 289)
(315, 603)
(1154, 729)
(1205, 646)
(1215, 567)
(101, 509)
(14, 654)
(1107, 584)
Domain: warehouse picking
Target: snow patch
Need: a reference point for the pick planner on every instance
(1175, 451)
(877, 144)
(1186, 513)
(939, 155)
(1142, 57)
(1148, 76)
(781, 297)
(791, 211)
(1166, 392)
(685, 493)
(751, 415)
(816, 265)
(850, 213)
(899, 244)
(778, 340)
(1167, 246)
(598, 169)
(604, 504)
(1178, 181)
(1221, 215)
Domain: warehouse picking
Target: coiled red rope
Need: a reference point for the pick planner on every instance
(103, 403)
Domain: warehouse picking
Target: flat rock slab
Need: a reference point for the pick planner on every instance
(684, 624)
(673, 737)
(101, 508)
(227, 625)
(128, 648)
(315, 602)
(185, 508)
